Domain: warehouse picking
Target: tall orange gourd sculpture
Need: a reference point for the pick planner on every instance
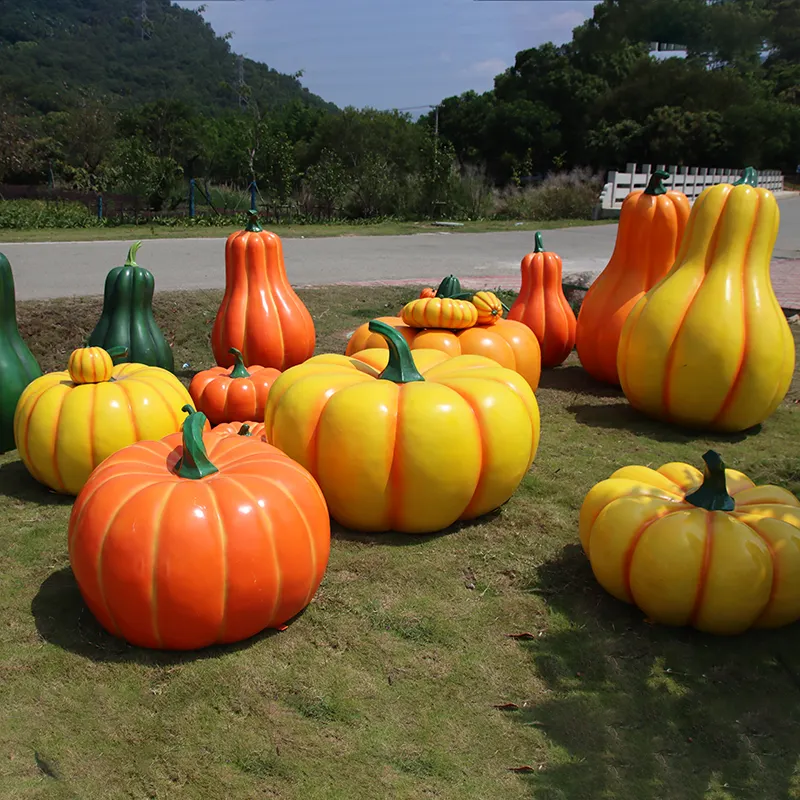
(651, 226)
(260, 315)
(542, 306)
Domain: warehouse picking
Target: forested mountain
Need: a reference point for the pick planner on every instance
(55, 51)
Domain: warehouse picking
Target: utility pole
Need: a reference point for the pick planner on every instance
(144, 21)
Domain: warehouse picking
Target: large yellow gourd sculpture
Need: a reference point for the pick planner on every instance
(708, 346)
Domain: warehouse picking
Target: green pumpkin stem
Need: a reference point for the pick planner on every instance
(117, 352)
(195, 463)
(401, 367)
(239, 370)
(131, 260)
(749, 177)
(253, 225)
(655, 186)
(244, 430)
(713, 492)
(538, 245)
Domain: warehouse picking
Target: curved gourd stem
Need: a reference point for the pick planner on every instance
(253, 225)
(117, 352)
(131, 260)
(749, 177)
(655, 186)
(195, 463)
(239, 370)
(713, 492)
(401, 367)
(538, 245)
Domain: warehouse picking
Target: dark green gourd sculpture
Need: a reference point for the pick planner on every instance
(127, 320)
(18, 367)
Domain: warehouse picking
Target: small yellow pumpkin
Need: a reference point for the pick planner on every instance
(440, 312)
(489, 306)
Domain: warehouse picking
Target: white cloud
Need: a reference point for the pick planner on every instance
(485, 69)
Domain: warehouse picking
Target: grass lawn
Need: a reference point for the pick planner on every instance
(394, 682)
(291, 231)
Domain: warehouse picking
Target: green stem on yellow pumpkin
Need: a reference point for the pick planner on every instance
(195, 463)
(239, 370)
(749, 177)
(713, 492)
(253, 225)
(655, 186)
(244, 430)
(401, 367)
(131, 260)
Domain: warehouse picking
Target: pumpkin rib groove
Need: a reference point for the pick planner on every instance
(153, 383)
(395, 483)
(121, 385)
(160, 513)
(26, 421)
(54, 456)
(269, 534)
(91, 422)
(482, 439)
(99, 566)
(627, 559)
(773, 589)
(732, 391)
(702, 582)
(219, 523)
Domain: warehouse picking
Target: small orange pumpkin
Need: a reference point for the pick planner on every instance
(490, 307)
(248, 428)
(198, 539)
(651, 227)
(542, 306)
(260, 314)
(428, 291)
(237, 394)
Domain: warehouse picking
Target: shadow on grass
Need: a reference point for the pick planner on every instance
(622, 416)
(639, 711)
(63, 619)
(17, 482)
(575, 379)
(396, 539)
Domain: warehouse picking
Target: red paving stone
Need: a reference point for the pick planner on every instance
(785, 282)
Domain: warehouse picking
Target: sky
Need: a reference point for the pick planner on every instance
(392, 53)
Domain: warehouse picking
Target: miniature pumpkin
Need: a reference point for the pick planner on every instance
(66, 423)
(490, 307)
(247, 428)
(510, 344)
(542, 306)
(127, 324)
(235, 394)
(711, 550)
(651, 228)
(439, 312)
(708, 346)
(365, 434)
(260, 315)
(428, 291)
(18, 367)
(197, 539)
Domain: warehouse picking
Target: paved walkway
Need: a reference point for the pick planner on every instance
(47, 270)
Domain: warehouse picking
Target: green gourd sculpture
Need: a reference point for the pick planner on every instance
(18, 367)
(127, 319)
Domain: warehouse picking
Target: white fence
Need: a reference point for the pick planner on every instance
(689, 180)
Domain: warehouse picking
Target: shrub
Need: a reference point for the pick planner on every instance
(32, 214)
(564, 195)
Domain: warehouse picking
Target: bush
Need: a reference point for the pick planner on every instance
(564, 195)
(33, 214)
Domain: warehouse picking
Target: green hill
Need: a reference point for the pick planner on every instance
(54, 50)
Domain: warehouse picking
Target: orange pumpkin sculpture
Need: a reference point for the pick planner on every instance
(651, 227)
(232, 395)
(198, 539)
(510, 344)
(260, 315)
(542, 306)
(247, 428)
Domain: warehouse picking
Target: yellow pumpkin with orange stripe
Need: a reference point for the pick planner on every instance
(362, 427)
(440, 312)
(711, 550)
(489, 307)
(67, 422)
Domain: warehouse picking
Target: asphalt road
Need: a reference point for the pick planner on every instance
(46, 270)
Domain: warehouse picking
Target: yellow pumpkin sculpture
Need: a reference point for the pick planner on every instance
(708, 346)
(711, 550)
(66, 423)
(406, 441)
